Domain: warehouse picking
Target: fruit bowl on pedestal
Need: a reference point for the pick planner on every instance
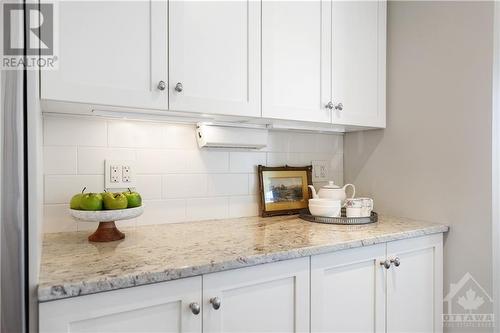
(106, 231)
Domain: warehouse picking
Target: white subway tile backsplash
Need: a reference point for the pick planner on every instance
(302, 142)
(160, 161)
(163, 211)
(246, 161)
(207, 161)
(227, 184)
(277, 159)
(91, 159)
(240, 206)
(180, 137)
(60, 189)
(185, 186)
(336, 167)
(135, 134)
(278, 141)
(149, 186)
(296, 159)
(253, 183)
(178, 181)
(57, 219)
(207, 208)
(328, 143)
(62, 131)
(59, 160)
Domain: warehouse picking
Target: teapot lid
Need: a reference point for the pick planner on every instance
(331, 185)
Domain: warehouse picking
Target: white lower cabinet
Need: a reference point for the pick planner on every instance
(348, 291)
(162, 307)
(265, 298)
(415, 287)
(390, 287)
(353, 291)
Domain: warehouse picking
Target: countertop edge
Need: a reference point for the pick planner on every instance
(58, 292)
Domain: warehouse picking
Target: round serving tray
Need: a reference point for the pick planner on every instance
(306, 215)
(107, 230)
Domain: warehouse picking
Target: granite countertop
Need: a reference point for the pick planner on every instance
(71, 266)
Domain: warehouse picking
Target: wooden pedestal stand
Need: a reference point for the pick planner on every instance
(106, 232)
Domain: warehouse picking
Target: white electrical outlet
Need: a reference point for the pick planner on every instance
(320, 171)
(126, 176)
(119, 174)
(114, 174)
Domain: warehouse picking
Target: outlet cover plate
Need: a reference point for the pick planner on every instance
(320, 172)
(119, 174)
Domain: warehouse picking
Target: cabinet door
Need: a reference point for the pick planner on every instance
(348, 291)
(162, 307)
(264, 298)
(295, 60)
(104, 59)
(415, 287)
(358, 62)
(215, 57)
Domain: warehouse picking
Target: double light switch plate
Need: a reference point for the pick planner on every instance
(119, 174)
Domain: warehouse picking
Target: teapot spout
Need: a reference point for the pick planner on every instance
(313, 191)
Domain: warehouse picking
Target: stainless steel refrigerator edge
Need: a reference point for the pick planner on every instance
(21, 186)
(13, 227)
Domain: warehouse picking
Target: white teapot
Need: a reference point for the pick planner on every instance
(332, 192)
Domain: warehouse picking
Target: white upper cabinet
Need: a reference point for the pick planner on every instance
(358, 62)
(110, 53)
(318, 61)
(295, 60)
(214, 57)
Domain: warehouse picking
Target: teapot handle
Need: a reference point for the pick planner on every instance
(353, 189)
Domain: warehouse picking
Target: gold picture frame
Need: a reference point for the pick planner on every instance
(284, 190)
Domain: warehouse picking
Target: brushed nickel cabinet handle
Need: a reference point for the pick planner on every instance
(195, 308)
(386, 264)
(216, 302)
(162, 85)
(396, 261)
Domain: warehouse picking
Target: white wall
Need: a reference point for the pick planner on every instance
(178, 181)
(433, 162)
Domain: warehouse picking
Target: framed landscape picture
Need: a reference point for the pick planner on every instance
(284, 190)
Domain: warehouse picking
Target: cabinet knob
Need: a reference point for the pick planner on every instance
(386, 264)
(195, 308)
(162, 85)
(396, 261)
(339, 107)
(215, 301)
(178, 87)
(329, 106)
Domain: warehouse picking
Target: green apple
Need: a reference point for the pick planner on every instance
(75, 200)
(134, 199)
(115, 201)
(91, 201)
